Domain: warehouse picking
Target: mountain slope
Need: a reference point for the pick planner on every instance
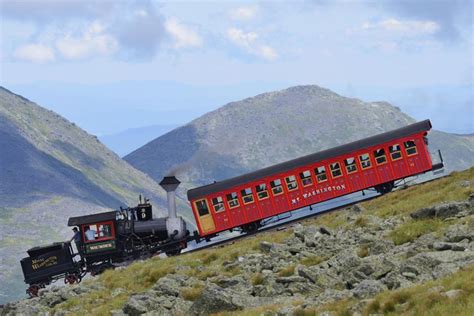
(50, 170)
(42, 154)
(274, 127)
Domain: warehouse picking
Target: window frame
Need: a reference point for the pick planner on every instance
(247, 195)
(413, 147)
(384, 155)
(316, 172)
(214, 205)
(303, 178)
(98, 239)
(399, 151)
(197, 209)
(236, 199)
(362, 161)
(354, 163)
(264, 190)
(295, 182)
(338, 169)
(274, 187)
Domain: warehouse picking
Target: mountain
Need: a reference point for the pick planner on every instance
(50, 169)
(130, 139)
(274, 127)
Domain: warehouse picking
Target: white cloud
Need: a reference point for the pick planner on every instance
(248, 41)
(244, 13)
(407, 27)
(36, 53)
(241, 38)
(93, 42)
(183, 35)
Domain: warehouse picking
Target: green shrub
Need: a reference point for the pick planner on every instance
(257, 279)
(286, 272)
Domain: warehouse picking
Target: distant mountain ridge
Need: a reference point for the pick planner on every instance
(274, 127)
(130, 139)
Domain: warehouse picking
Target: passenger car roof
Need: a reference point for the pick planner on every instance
(312, 158)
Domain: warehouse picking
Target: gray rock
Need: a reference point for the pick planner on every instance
(458, 233)
(215, 299)
(442, 211)
(452, 294)
(140, 304)
(368, 288)
(265, 246)
(440, 246)
(290, 279)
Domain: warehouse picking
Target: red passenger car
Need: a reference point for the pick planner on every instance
(374, 162)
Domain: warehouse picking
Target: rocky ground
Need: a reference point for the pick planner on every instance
(314, 266)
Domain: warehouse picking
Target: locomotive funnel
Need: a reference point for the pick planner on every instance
(169, 184)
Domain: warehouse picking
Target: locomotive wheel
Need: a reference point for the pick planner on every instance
(385, 187)
(251, 228)
(174, 252)
(32, 291)
(71, 279)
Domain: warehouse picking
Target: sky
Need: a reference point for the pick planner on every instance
(113, 65)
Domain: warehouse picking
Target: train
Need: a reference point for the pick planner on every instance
(244, 203)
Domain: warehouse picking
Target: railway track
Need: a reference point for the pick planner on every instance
(324, 208)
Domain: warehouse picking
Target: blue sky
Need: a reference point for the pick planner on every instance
(111, 65)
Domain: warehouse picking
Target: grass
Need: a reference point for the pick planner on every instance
(287, 271)
(413, 229)
(191, 293)
(257, 279)
(313, 260)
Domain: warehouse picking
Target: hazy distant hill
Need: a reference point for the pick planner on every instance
(130, 139)
(51, 169)
(274, 127)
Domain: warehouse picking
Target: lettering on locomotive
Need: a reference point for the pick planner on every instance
(44, 262)
(102, 246)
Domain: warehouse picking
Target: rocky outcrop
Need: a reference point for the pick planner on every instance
(315, 265)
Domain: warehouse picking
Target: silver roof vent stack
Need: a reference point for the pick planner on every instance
(170, 184)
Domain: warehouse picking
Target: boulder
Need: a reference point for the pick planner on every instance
(452, 294)
(457, 233)
(170, 285)
(139, 304)
(265, 246)
(215, 299)
(368, 288)
(441, 211)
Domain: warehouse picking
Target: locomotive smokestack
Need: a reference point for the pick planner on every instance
(169, 184)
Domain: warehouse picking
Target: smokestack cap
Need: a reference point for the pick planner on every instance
(169, 184)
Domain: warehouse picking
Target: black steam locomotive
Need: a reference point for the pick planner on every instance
(106, 239)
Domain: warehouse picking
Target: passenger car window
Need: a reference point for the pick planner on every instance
(232, 200)
(202, 208)
(380, 157)
(277, 189)
(350, 164)
(218, 204)
(410, 147)
(262, 192)
(305, 177)
(291, 183)
(336, 170)
(247, 195)
(365, 161)
(395, 152)
(321, 174)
